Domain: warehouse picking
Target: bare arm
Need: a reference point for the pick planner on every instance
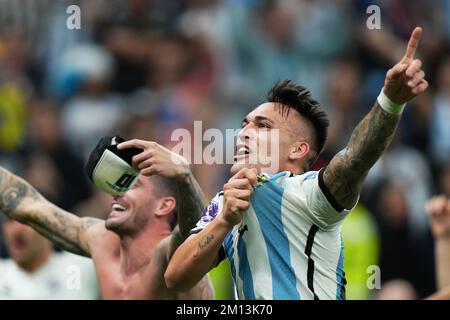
(439, 210)
(190, 208)
(196, 256)
(20, 201)
(443, 261)
(345, 174)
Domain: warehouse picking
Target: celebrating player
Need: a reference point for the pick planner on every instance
(131, 249)
(281, 230)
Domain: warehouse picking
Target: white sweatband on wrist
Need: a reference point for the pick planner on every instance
(388, 105)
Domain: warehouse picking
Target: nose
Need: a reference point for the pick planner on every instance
(117, 197)
(244, 133)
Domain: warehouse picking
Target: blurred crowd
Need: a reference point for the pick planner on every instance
(142, 68)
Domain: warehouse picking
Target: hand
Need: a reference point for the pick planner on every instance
(155, 159)
(236, 196)
(439, 210)
(406, 79)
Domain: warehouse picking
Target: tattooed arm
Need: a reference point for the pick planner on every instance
(347, 171)
(345, 174)
(196, 256)
(190, 207)
(20, 201)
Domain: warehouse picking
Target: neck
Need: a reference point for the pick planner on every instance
(137, 249)
(294, 168)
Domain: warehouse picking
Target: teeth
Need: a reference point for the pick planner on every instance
(242, 150)
(118, 207)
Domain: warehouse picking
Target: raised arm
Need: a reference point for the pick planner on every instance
(20, 201)
(190, 207)
(345, 174)
(158, 160)
(439, 210)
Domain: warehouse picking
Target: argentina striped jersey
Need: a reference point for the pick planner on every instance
(288, 245)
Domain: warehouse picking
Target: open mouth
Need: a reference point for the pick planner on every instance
(118, 207)
(241, 151)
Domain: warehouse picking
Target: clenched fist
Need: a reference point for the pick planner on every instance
(236, 196)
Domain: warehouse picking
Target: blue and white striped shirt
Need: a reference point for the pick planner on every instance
(288, 245)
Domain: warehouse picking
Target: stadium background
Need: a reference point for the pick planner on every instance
(142, 68)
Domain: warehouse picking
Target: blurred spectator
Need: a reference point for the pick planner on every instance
(94, 111)
(14, 89)
(396, 290)
(412, 174)
(344, 102)
(362, 246)
(56, 158)
(440, 128)
(415, 129)
(444, 180)
(35, 271)
(400, 249)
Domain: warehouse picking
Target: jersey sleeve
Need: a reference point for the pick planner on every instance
(211, 211)
(309, 193)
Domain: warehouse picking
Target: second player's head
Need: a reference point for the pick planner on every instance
(287, 132)
(26, 247)
(150, 203)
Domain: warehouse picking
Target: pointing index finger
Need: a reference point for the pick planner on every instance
(413, 43)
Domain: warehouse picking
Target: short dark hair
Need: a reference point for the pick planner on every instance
(166, 187)
(292, 96)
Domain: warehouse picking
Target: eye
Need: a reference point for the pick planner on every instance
(265, 125)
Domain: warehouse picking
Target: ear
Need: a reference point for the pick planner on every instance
(299, 150)
(165, 206)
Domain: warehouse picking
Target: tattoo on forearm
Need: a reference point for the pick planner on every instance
(64, 229)
(345, 174)
(13, 191)
(204, 242)
(59, 226)
(190, 205)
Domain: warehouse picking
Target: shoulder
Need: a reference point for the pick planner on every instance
(295, 181)
(95, 231)
(98, 239)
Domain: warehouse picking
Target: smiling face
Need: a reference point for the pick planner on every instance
(140, 207)
(272, 140)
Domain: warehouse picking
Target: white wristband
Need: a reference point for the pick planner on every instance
(388, 105)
